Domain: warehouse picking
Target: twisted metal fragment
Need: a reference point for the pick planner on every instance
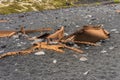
(9, 33)
(89, 34)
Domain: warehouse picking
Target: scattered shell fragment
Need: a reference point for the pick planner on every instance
(83, 59)
(85, 73)
(40, 53)
(54, 61)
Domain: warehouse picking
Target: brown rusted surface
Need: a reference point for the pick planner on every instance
(58, 35)
(118, 11)
(1, 21)
(9, 33)
(89, 34)
(6, 33)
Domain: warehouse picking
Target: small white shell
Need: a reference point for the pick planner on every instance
(40, 53)
(83, 59)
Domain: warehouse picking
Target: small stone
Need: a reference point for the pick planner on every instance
(17, 39)
(66, 34)
(111, 48)
(83, 59)
(99, 43)
(40, 53)
(15, 36)
(76, 46)
(53, 42)
(75, 55)
(1, 51)
(117, 32)
(55, 61)
(16, 64)
(89, 16)
(77, 26)
(18, 44)
(113, 30)
(3, 46)
(37, 40)
(16, 70)
(69, 43)
(31, 22)
(23, 43)
(87, 47)
(103, 51)
(7, 27)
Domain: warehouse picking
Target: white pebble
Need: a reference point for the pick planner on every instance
(40, 53)
(89, 16)
(37, 40)
(23, 43)
(77, 26)
(15, 36)
(75, 55)
(117, 32)
(99, 43)
(18, 44)
(66, 34)
(111, 48)
(103, 51)
(55, 61)
(17, 39)
(1, 51)
(86, 47)
(113, 30)
(83, 59)
(7, 27)
(53, 42)
(31, 22)
(16, 70)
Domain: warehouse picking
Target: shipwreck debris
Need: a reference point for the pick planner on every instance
(89, 34)
(9, 33)
(2, 21)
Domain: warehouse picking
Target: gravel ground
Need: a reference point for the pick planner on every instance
(102, 62)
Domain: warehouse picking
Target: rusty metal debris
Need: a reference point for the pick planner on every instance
(9, 33)
(118, 11)
(1, 21)
(89, 34)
